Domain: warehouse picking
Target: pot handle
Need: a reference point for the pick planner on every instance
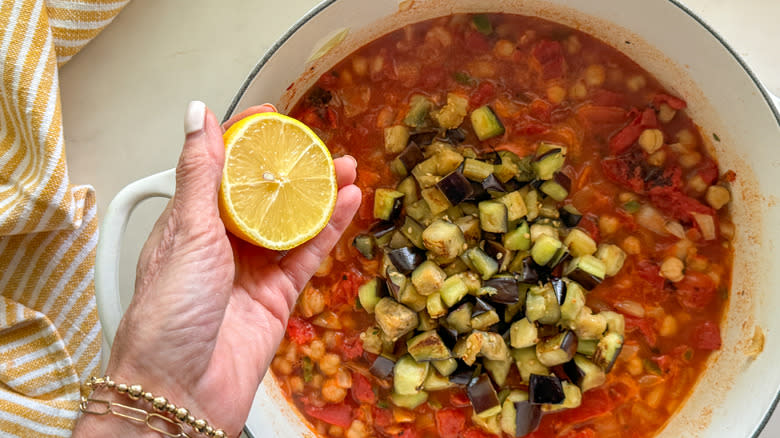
(112, 229)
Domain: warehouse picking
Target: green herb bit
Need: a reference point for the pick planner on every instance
(462, 78)
(652, 367)
(631, 206)
(715, 136)
(482, 24)
(308, 369)
(382, 404)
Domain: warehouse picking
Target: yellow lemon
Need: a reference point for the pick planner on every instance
(279, 183)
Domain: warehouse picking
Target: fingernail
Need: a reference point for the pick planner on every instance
(270, 107)
(194, 117)
(354, 161)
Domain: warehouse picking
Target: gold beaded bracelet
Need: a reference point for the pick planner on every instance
(178, 415)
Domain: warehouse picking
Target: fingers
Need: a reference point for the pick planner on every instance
(199, 171)
(346, 170)
(300, 263)
(264, 108)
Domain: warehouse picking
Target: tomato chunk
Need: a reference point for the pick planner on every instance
(300, 331)
(449, 422)
(695, 291)
(549, 54)
(630, 134)
(338, 415)
(673, 202)
(707, 336)
(361, 389)
(673, 102)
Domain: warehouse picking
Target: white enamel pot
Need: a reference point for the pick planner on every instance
(737, 393)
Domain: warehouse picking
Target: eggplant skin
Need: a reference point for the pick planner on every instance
(455, 187)
(569, 219)
(559, 287)
(482, 394)
(527, 418)
(406, 259)
(507, 290)
(545, 390)
(382, 367)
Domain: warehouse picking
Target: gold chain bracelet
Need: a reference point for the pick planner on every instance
(150, 419)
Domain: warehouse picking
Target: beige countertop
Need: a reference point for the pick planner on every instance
(124, 95)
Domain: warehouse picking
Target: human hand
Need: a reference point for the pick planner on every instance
(209, 310)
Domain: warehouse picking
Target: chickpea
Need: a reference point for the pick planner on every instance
(332, 392)
(608, 224)
(504, 49)
(345, 78)
(655, 397)
(344, 378)
(578, 91)
(556, 94)
(327, 264)
(666, 113)
(672, 269)
(635, 366)
(329, 364)
(595, 75)
(717, 196)
(357, 430)
(636, 83)
(624, 197)
(440, 35)
(631, 245)
(727, 230)
(572, 44)
(697, 184)
(360, 65)
(651, 140)
(690, 159)
(296, 384)
(316, 350)
(657, 158)
(668, 326)
(282, 366)
(312, 301)
(377, 64)
(316, 380)
(332, 339)
(686, 137)
(335, 431)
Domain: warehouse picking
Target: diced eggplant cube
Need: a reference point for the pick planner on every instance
(523, 333)
(452, 290)
(387, 204)
(491, 184)
(382, 232)
(493, 217)
(559, 288)
(419, 107)
(586, 280)
(544, 249)
(445, 367)
(462, 374)
(428, 278)
(484, 320)
(395, 281)
(406, 259)
(498, 369)
(573, 302)
(477, 170)
(411, 401)
(554, 190)
(485, 123)
(382, 367)
(527, 363)
(481, 262)
(612, 256)
(580, 243)
(394, 319)
(558, 349)
(427, 346)
(437, 202)
(409, 297)
(528, 416)
(530, 273)
(435, 306)
(568, 217)
(409, 375)
(468, 347)
(444, 240)
(572, 398)
(370, 293)
(608, 350)
(460, 318)
(616, 322)
(424, 138)
(448, 335)
(364, 243)
(493, 346)
(563, 179)
(396, 138)
(455, 187)
(469, 226)
(483, 395)
(545, 390)
(518, 239)
(548, 163)
(411, 156)
(507, 289)
(592, 375)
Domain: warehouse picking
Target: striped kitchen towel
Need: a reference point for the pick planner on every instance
(49, 330)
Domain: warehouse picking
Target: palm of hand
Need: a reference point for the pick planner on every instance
(209, 309)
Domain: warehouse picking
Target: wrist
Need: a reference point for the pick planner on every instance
(108, 425)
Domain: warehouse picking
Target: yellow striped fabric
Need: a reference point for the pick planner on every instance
(49, 330)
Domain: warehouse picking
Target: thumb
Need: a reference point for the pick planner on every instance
(199, 171)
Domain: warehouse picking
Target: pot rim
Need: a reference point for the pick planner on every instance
(768, 98)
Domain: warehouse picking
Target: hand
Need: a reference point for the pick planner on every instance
(209, 310)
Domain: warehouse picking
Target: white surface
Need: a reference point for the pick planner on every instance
(124, 95)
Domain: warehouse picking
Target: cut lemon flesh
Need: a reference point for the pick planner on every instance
(278, 184)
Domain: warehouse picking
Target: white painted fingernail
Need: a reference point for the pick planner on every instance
(194, 117)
